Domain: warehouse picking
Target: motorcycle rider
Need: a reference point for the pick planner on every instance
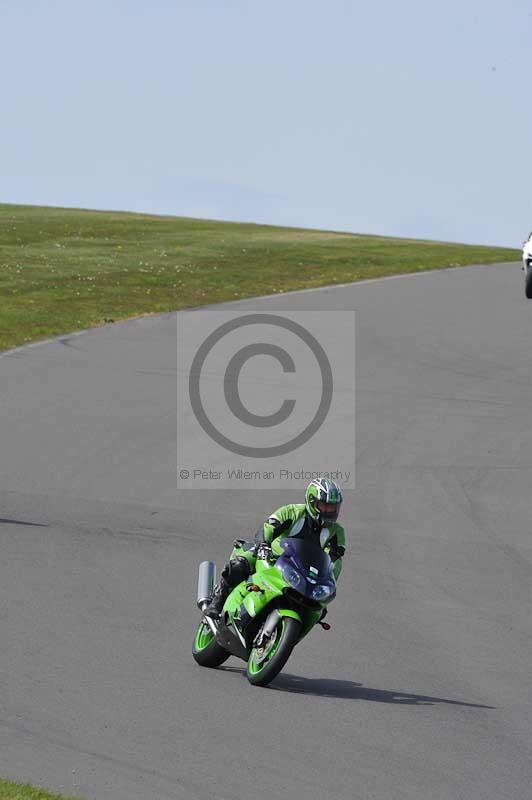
(315, 519)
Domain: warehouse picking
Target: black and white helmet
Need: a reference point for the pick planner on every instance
(323, 500)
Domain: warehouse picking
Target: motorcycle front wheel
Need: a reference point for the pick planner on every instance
(528, 281)
(206, 650)
(265, 663)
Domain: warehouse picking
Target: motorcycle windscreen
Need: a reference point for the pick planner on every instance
(308, 557)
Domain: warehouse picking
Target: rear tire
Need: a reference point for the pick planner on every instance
(261, 672)
(206, 650)
(528, 281)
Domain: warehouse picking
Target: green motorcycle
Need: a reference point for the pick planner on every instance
(266, 616)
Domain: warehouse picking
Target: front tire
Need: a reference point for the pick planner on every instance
(263, 667)
(206, 650)
(528, 281)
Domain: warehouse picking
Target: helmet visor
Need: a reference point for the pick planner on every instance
(328, 511)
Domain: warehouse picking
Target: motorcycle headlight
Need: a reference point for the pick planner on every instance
(292, 576)
(321, 591)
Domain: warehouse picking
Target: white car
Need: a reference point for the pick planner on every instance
(527, 266)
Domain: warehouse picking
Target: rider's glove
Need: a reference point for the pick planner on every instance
(336, 552)
(263, 551)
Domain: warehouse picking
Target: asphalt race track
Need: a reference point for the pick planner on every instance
(422, 690)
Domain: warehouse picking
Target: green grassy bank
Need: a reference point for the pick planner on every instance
(65, 269)
(23, 791)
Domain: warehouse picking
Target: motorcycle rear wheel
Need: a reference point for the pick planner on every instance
(206, 650)
(264, 667)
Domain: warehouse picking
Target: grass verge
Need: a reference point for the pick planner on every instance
(66, 269)
(24, 791)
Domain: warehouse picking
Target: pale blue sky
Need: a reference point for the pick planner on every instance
(410, 118)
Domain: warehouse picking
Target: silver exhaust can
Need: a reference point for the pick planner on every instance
(206, 580)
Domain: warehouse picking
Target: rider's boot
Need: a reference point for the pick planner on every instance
(219, 596)
(236, 570)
